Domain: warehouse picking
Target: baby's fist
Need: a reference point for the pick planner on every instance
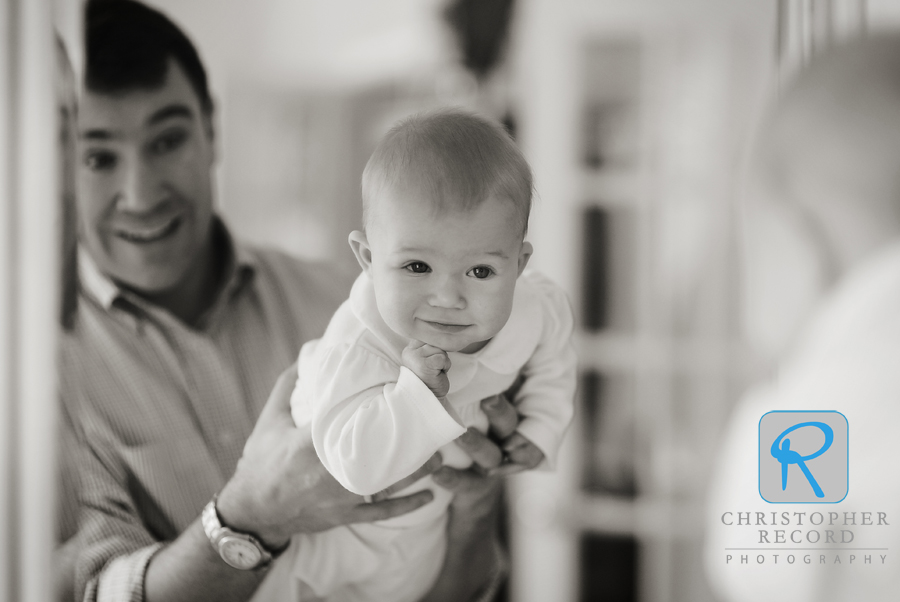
(430, 364)
(521, 454)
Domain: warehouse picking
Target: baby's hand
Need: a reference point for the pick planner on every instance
(430, 364)
(520, 454)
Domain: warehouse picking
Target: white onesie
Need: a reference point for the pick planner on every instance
(374, 422)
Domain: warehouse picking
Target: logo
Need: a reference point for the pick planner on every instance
(803, 457)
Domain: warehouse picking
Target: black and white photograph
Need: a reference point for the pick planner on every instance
(449, 300)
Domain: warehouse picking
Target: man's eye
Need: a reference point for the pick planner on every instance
(481, 272)
(417, 267)
(100, 160)
(168, 141)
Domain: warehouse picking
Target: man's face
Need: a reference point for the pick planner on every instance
(144, 182)
(447, 280)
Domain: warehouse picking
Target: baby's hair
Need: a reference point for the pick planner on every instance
(451, 158)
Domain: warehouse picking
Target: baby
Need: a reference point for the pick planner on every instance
(443, 316)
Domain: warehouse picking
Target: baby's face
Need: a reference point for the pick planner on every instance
(444, 279)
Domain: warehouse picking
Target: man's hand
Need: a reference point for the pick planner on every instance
(280, 487)
(505, 452)
(430, 364)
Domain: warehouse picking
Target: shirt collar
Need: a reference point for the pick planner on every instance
(241, 269)
(93, 281)
(506, 353)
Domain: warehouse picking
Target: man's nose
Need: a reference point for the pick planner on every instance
(138, 191)
(447, 293)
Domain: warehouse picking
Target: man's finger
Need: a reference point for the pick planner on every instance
(458, 480)
(506, 469)
(471, 490)
(501, 415)
(433, 463)
(482, 450)
(447, 477)
(367, 513)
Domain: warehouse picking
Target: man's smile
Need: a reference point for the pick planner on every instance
(149, 233)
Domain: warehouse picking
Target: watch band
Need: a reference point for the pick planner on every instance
(239, 550)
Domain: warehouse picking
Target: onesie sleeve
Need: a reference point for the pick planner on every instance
(373, 422)
(546, 399)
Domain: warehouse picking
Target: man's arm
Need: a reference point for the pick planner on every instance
(279, 488)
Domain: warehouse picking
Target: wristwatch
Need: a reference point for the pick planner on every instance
(239, 550)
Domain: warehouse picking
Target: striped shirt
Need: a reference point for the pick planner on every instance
(160, 409)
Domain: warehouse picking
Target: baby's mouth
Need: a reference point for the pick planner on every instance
(445, 327)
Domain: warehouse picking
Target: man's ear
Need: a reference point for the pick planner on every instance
(524, 256)
(360, 245)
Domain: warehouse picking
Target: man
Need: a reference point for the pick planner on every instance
(829, 172)
(179, 335)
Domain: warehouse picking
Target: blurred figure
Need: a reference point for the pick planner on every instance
(828, 183)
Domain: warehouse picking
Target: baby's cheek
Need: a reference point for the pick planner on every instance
(401, 321)
(497, 312)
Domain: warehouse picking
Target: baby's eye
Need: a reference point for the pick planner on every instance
(481, 272)
(417, 267)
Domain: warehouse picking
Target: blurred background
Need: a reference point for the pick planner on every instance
(636, 116)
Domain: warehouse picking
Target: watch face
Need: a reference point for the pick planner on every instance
(239, 553)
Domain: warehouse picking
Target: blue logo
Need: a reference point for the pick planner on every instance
(803, 460)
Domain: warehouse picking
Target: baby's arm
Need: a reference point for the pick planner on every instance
(546, 398)
(372, 426)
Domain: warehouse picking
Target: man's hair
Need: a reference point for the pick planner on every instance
(451, 158)
(128, 47)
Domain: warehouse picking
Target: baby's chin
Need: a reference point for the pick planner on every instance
(465, 342)
(455, 344)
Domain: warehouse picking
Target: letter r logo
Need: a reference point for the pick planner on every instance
(803, 457)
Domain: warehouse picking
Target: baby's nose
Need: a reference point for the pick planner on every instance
(447, 293)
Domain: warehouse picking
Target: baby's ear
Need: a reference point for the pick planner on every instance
(524, 256)
(360, 245)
